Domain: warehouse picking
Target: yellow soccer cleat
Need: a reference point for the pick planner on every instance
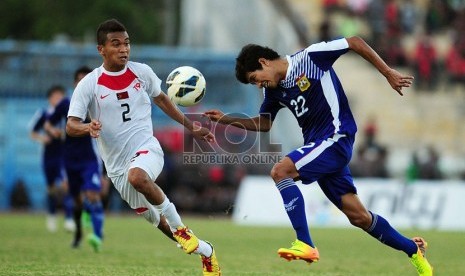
(210, 264)
(300, 251)
(419, 260)
(188, 241)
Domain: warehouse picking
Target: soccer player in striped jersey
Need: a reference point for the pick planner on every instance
(306, 83)
(83, 169)
(52, 159)
(117, 96)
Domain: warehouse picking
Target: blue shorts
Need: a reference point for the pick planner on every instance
(326, 161)
(84, 176)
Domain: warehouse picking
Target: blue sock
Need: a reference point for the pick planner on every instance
(295, 208)
(96, 215)
(68, 206)
(51, 204)
(381, 230)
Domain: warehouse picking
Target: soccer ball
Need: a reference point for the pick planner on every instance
(185, 86)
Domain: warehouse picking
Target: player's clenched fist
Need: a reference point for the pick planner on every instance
(94, 128)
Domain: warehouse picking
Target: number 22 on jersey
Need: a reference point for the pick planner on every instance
(299, 106)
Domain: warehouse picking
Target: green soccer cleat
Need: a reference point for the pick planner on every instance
(210, 264)
(419, 260)
(300, 251)
(95, 242)
(86, 220)
(188, 241)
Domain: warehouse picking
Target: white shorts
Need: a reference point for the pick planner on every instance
(150, 159)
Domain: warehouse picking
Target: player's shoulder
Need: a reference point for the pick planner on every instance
(40, 114)
(336, 44)
(139, 67)
(143, 71)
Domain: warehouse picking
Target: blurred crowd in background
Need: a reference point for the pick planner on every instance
(428, 39)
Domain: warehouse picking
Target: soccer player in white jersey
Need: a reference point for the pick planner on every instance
(117, 96)
(306, 83)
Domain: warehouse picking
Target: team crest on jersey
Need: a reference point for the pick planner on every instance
(122, 95)
(303, 83)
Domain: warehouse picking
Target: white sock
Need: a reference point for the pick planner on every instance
(204, 249)
(168, 210)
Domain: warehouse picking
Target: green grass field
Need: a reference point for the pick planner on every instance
(133, 247)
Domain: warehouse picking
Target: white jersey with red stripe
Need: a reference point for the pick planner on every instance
(122, 102)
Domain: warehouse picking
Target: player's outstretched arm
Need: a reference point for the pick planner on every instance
(75, 127)
(258, 123)
(395, 79)
(170, 109)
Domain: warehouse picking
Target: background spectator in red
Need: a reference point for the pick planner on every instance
(425, 64)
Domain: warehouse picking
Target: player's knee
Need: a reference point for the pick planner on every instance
(280, 172)
(137, 180)
(93, 196)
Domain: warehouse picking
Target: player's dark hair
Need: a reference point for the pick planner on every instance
(81, 70)
(247, 60)
(109, 26)
(55, 89)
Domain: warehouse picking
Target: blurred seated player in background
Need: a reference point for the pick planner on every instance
(52, 161)
(83, 168)
(307, 84)
(117, 95)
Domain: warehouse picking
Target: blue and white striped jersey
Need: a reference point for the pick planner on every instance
(313, 93)
(52, 151)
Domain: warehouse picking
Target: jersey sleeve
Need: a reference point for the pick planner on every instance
(37, 121)
(81, 99)
(269, 107)
(324, 54)
(153, 82)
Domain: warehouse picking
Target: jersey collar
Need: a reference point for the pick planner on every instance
(115, 73)
(287, 81)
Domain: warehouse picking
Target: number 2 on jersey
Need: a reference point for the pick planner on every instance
(299, 106)
(301, 149)
(125, 112)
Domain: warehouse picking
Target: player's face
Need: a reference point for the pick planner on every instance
(267, 77)
(55, 97)
(263, 78)
(115, 51)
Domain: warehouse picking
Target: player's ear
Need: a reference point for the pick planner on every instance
(100, 49)
(263, 62)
